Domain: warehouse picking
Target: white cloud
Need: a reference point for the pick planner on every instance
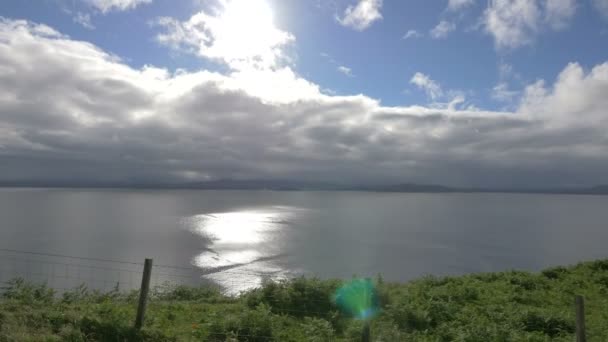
(502, 93)
(346, 71)
(456, 5)
(602, 7)
(576, 98)
(84, 19)
(505, 70)
(106, 6)
(412, 34)
(512, 23)
(241, 34)
(507, 73)
(363, 15)
(424, 82)
(515, 23)
(442, 30)
(328, 57)
(456, 100)
(340, 68)
(558, 13)
(71, 111)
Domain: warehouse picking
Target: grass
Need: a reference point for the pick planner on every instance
(506, 306)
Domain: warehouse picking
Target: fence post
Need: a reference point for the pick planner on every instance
(143, 294)
(365, 335)
(579, 304)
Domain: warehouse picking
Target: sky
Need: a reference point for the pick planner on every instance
(498, 93)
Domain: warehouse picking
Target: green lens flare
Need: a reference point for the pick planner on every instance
(358, 298)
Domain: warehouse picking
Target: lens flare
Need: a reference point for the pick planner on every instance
(358, 298)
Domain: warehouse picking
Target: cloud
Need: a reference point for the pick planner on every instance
(574, 100)
(558, 13)
(442, 29)
(512, 23)
(69, 111)
(341, 68)
(329, 58)
(502, 93)
(456, 5)
(84, 19)
(106, 6)
(363, 15)
(505, 70)
(440, 98)
(240, 34)
(346, 71)
(515, 23)
(602, 7)
(412, 34)
(424, 82)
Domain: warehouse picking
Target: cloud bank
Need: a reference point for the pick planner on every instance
(71, 111)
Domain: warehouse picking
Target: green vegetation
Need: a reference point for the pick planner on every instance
(507, 306)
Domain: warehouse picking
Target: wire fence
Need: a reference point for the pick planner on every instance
(64, 273)
(67, 273)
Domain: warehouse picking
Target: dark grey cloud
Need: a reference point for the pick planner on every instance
(72, 112)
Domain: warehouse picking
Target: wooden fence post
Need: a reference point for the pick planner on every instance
(579, 304)
(365, 335)
(143, 294)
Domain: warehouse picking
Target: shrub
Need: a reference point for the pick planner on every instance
(250, 325)
(317, 330)
(299, 297)
(205, 293)
(555, 272)
(19, 289)
(552, 326)
(599, 265)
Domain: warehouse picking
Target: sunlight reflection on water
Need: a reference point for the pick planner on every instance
(245, 246)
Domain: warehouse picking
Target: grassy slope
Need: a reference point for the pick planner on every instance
(507, 306)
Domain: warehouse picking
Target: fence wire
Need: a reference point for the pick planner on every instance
(64, 272)
(67, 273)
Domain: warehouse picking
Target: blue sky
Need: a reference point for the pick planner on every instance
(486, 89)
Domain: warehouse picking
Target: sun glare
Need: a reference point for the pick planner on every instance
(245, 32)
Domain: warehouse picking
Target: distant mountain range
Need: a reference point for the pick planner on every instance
(595, 190)
(287, 185)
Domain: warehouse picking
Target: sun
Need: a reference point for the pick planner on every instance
(244, 32)
(249, 12)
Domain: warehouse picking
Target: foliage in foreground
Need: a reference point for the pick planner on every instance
(507, 306)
